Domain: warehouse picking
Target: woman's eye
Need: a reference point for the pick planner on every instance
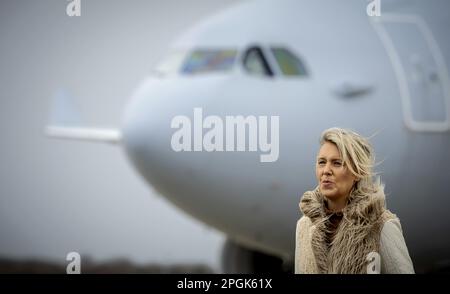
(337, 163)
(321, 162)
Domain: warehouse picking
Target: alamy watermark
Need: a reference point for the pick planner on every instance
(213, 139)
(74, 266)
(374, 8)
(73, 8)
(374, 263)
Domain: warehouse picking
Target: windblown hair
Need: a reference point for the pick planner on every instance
(358, 156)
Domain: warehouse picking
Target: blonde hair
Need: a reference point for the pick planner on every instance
(358, 156)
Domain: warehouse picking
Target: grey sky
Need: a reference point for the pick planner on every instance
(62, 196)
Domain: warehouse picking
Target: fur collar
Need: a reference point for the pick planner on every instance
(357, 235)
(360, 208)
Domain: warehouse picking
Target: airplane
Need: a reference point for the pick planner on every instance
(314, 65)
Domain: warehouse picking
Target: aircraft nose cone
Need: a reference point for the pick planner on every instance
(146, 133)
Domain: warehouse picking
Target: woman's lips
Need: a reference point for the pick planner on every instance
(327, 184)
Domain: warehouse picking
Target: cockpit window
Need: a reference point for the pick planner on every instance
(209, 60)
(290, 65)
(171, 63)
(255, 63)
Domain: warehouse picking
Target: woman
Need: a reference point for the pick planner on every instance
(345, 226)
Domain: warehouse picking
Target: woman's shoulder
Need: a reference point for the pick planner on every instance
(304, 220)
(392, 229)
(393, 250)
(390, 221)
(303, 223)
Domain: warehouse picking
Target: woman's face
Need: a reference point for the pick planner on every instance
(335, 179)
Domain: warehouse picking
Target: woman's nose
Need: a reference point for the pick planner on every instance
(327, 169)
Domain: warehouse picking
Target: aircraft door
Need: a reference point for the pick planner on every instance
(420, 70)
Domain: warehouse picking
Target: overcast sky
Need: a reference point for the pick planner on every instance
(62, 196)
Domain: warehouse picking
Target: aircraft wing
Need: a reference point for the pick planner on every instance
(65, 123)
(85, 134)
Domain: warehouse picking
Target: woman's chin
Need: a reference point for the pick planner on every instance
(330, 194)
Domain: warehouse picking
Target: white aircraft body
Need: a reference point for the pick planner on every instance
(314, 65)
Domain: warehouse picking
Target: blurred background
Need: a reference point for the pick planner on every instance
(63, 196)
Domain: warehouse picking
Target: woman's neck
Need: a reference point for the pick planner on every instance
(337, 204)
